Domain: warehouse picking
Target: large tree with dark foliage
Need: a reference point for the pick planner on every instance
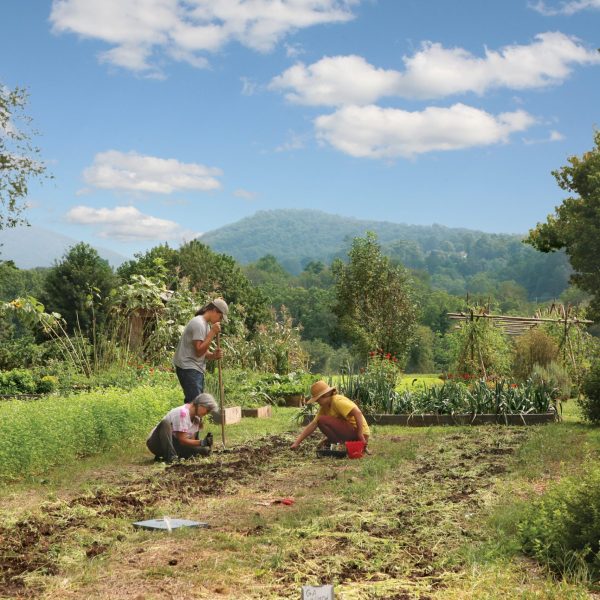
(78, 288)
(575, 224)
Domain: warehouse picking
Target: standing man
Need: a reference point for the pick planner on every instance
(193, 348)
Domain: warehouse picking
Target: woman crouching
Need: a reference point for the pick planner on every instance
(338, 418)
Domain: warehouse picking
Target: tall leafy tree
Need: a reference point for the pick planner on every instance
(220, 274)
(374, 300)
(158, 262)
(19, 158)
(575, 224)
(78, 287)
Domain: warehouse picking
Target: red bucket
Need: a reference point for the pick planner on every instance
(355, 449)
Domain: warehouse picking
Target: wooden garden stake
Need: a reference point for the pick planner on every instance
(221, 391)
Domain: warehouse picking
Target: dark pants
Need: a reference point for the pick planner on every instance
(191, 381)
(163, 444)
(337, 430)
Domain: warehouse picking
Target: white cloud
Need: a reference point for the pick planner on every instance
(553, 136)
(566, 8)
(244, 194)
(138, 30)
(296, 141)
(130, 171)
(249, 86)
(293, 50)
(127, 223)
(435, 72)
(337, 80)
(374, 132)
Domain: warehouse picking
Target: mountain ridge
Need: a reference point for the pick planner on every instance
(30, 247)
(452, 257)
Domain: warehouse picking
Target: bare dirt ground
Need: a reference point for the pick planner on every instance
(392, 525)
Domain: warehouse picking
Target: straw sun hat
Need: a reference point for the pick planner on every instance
(319, 389)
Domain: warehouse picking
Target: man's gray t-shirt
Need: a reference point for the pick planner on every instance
(185, 355)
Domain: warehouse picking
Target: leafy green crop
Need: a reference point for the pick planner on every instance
(34, 436)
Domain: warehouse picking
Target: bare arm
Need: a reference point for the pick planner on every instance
(201, 346)
(308, 430)
(358, 416)
(184, 440)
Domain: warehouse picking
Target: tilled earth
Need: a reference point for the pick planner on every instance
(25, 547)
(401, 541)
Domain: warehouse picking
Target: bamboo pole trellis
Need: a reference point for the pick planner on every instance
(516, 325)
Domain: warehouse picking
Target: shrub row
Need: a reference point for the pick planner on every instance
(37, 435)
(562, 529)
(23, 381)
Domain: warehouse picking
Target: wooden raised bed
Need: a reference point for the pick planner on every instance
(262, 412)
(231, 414)
(483, 419)
(296, 400)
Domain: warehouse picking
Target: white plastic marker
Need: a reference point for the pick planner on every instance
(317, 592)
(168, 524)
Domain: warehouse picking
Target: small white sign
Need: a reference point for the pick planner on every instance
(319, 592)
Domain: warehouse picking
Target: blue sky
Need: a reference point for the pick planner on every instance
(162, 119)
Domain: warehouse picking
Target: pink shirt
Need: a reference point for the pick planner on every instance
(180, 420)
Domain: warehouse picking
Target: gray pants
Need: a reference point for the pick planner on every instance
(162, 443)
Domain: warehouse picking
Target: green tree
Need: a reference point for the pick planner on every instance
(161, 261)
(267, 270)
(575, 224)
(19, 158)
(78, 288)
(374, 300)
(220, 274)
(421, 359)
(16, 282)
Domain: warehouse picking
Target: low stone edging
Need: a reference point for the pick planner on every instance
(482, 419)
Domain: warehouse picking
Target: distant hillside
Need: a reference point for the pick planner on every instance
(30, 247)
(297, 236)
(452, 256)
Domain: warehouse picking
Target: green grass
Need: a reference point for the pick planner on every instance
(417, 381)
(423, 516)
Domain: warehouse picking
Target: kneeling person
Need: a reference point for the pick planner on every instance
(338, 418)
(176, 436)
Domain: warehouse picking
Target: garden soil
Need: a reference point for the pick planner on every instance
(405, 535)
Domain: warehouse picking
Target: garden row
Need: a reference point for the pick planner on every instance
(58, 430)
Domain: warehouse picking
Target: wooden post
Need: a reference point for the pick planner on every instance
(221, 391)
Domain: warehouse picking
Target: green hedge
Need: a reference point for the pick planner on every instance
(39, 434)
(562, 528)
